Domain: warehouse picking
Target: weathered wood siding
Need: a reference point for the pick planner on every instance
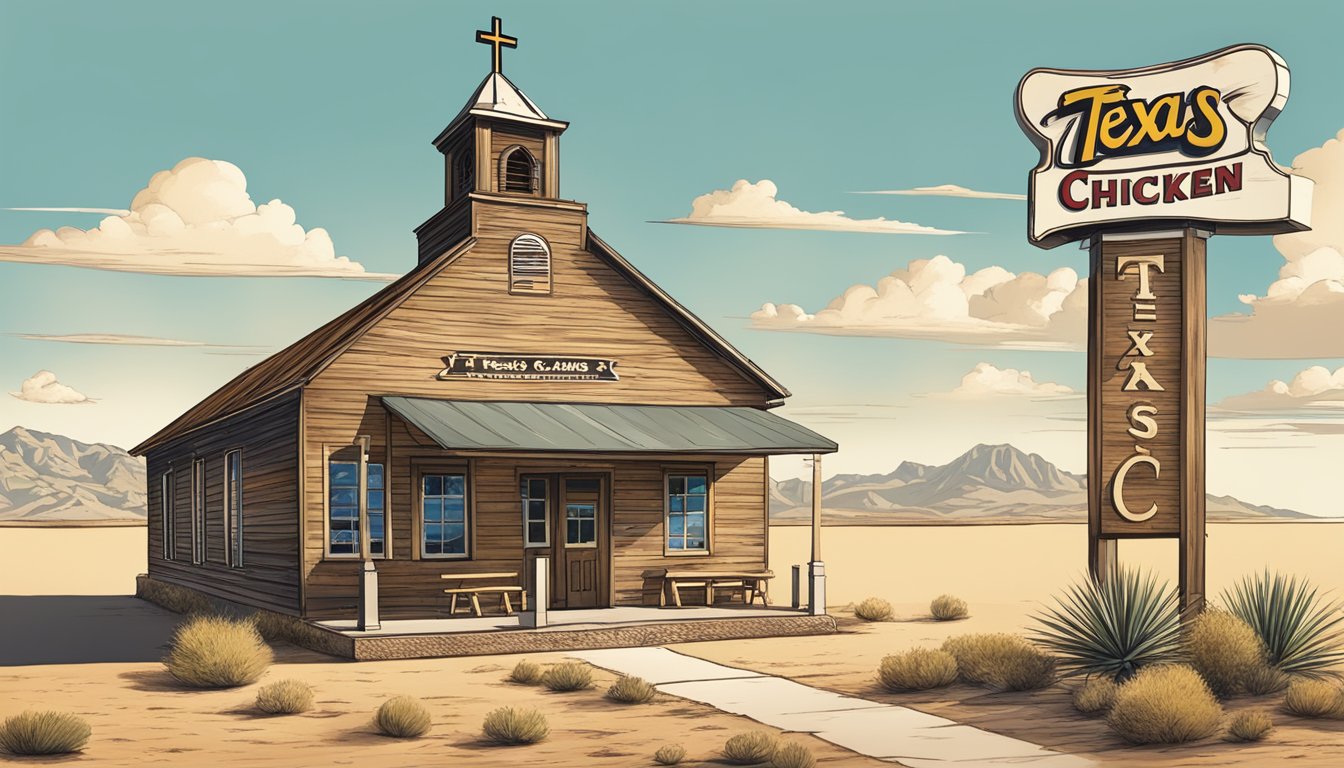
(267, 435)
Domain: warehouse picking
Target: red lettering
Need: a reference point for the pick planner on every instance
(1171, 187)
(1066, 197)
(1141, 197)
(1199, 182)
(1103, 191)
(1227, 178)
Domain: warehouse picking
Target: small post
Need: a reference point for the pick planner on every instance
(540, 598)
(368, 598)
(816, 507)
(816, 577)
(797, 587)
(816, 570)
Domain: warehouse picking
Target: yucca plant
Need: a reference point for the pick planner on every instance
(1303, 634)
(1115, 627)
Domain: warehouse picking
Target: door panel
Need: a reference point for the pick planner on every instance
(580, 542)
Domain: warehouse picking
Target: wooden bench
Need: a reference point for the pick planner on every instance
(750, 583)
(474, 592)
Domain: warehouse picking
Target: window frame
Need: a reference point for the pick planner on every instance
(547, 482)
(332, 453)
(167, 515)
(514, 289)
(534, 182)
(233, 510)
(468, 516)
(198, 495)
(706, 471)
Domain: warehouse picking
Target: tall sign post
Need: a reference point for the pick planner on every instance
(1143, 165)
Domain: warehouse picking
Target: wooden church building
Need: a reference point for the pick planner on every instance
(522, 392)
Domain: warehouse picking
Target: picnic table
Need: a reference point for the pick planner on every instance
(468, 586)
(751, 583)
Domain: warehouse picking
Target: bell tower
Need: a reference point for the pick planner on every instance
(500, 146)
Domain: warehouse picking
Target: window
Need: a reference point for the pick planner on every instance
(529, 265)
(581, 525)
(687, 502)
(233, 505)
(536, 511)
(519, 171)
(466, 171)
(198, 511)
(166, 514)
(443, 508)
(343, 508)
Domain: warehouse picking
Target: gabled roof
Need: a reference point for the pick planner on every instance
(296, 365)
(498, 97)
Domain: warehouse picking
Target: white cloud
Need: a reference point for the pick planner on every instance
(936, 299)
(987, 381)
(1287, 321)
(196, 219)
(756, 206)
(946, 190)
(122, 339)
(42, 387)
(1311, 390)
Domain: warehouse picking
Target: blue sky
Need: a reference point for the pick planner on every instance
(330, 107)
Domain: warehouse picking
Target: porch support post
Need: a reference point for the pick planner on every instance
(368, 576)
(535, 615)
(816, 569)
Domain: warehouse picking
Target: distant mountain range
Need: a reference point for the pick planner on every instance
(987, 484)
(48, 478)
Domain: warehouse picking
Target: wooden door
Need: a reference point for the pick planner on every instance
(580, 542)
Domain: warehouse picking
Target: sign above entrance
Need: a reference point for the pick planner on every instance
(482, 365)
(1180, 142)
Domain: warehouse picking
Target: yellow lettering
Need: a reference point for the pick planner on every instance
(1096, 97)
(1206, 101)
(1112, 119)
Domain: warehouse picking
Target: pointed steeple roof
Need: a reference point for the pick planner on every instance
(499, 98)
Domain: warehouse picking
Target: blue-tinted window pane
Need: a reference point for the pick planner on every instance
(456, 541)
(695, 543)
(433, 485)
(695, 526)
(433, 547)
(454, 485)
(375, 475)
(375, 500)
(695, 503)
(433, 510)
(675, 524)
(676, 484)
(344, 496)
(454, 509)
(344, 473)
(676, 504)
(674, 543)
(695, 484)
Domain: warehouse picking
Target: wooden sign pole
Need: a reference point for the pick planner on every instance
(1146, 395)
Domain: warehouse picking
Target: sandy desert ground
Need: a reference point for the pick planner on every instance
(68, 658)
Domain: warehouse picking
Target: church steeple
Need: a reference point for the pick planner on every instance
(499, 144)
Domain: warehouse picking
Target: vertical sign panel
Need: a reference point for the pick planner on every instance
(1146, 358)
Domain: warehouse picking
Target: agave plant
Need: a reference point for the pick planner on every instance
(1112, 627)
(1304, 634)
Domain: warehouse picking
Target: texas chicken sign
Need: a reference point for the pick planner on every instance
(1180, 142)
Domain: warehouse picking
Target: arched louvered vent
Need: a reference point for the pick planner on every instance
(529, 265)
(519, 171)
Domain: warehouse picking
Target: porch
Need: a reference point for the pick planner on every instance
(572, 630)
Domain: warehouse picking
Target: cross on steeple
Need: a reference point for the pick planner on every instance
(496, 39)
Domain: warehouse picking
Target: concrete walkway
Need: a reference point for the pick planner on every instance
(884, 731)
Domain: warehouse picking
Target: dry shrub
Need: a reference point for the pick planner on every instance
(171, 596)
(1001, 661)
(510, 726)
(285, 697)
(1165, 704)
(217, 652)
(669, 754)
(793, 755)
(948, 608)
(750, 748)
(402, 717)
(1264, 680)
(1095, 696)
(1310, 697)
(525, 673)
(43, 733)
(873, 609)
(1224, 650)
(1250, 725)
(917, 670)
(632, 690)
(569, 676)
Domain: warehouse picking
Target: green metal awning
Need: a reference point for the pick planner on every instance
(587, 428)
